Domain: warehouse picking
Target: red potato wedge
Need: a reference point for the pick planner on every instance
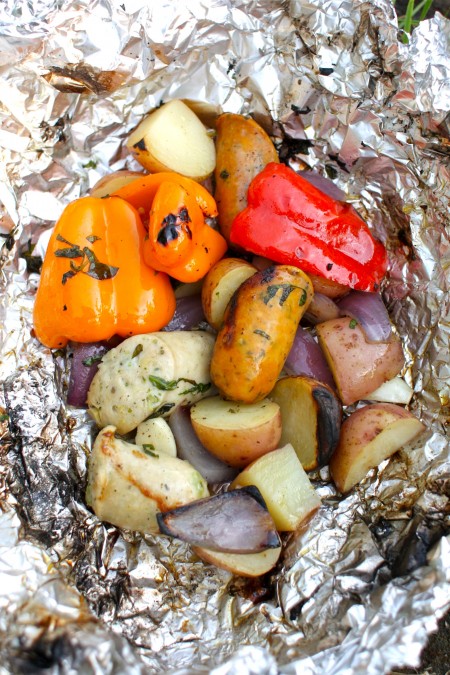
(243, 564)
(284, 485)
(328, 287)
(368, 437)
(172, 138)
(237, 433)
(311, 415)
(220, 284)
(358, 366)
(112, 182)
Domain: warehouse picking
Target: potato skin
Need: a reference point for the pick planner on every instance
(242, 150)
(237, 433)
(258, 331)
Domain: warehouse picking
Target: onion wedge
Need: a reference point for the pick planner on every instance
(231, 522)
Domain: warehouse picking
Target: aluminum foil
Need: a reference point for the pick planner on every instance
(361, 589)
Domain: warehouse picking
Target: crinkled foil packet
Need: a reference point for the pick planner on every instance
(361, 589)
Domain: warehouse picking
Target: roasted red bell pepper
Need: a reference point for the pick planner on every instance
(290, 221)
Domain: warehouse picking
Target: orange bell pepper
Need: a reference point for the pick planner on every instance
(179, 240)
(94, 282)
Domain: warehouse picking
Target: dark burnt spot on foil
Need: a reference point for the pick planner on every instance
(300, 111)
(405, 544)
(291, 147)
(55, 131)
(43, 654)
(326, 71)
(79, 78)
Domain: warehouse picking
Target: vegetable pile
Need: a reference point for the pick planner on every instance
(218, 363)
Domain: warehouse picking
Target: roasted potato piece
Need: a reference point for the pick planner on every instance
(155, 435)
(243, 150)
(284, 485)
(237, 433)
(219, 285)
(311, 415)
(368, 437)
(172, 138)
(358, 366)
(128, 487)
(244, 564)
(332, 289)
(147, 374)
(258, 332)
(112, 182)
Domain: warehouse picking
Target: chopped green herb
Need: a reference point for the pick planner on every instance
(263, 334)
(91, 360)
(137, 350)
(89, 264)
(162, 384)
(92, 238)
(4, 417)
(149, 449)
(353, 323)
(286, 290)
(303, 297)
(92, 164)
(197, 387)
(161, 411)
(170, 385)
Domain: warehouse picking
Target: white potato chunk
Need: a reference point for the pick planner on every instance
(393, 391)
(284, 485)
(112, 182)
(368, 437)
(156, 435)
(150, 375)
(172, 138)
(128, 487)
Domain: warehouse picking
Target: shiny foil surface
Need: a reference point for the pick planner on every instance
(362, 587)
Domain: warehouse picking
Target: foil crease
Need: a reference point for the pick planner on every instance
(360, 589)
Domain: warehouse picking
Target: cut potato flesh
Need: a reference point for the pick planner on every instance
(172, 138)
(368, 437)
(114, 181)
(237, 433)
(310, 417)
(284, 485)
(155, 435)
(220, 284)
(245, 564)
(393, 391)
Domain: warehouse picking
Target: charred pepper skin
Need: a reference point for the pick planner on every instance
(290, 221)
(95, 282)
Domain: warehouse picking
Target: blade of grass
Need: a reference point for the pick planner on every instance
(407, 22)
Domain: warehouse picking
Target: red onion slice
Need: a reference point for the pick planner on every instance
(190, 449)
(306, 358)
(85, 360)
(321, 309)
(232, 522)
(324, 184)
(370, 312)
(188, 313)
